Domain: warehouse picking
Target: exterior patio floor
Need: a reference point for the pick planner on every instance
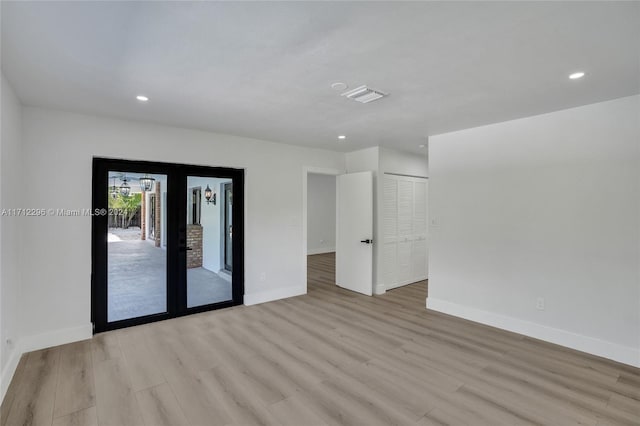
(137, 281)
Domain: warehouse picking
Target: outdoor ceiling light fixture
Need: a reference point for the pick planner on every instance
(125, 189)
(146, 183)
(209, 195)
(114, 190)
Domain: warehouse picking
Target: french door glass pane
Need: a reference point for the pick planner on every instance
(136, 245)
(209, 233)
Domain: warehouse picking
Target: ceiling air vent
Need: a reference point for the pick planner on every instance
(364, 94)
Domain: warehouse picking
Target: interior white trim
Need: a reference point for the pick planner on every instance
(9, 370)
(41, 341)
(321, 250)
(406, 175)
(276, 294)
(406, 282)
(379, 289)
(56, 337)
(598, 347)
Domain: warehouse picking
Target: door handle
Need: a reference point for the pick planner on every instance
(185, 248)
(367, 241)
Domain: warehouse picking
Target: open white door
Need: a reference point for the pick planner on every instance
(354, 232)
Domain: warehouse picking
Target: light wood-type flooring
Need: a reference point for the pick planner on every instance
(329, 357)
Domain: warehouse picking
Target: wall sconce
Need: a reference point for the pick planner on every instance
(210, 196)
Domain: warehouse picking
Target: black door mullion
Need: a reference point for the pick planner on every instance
(238, 238)
(99, 246)
(179, 254)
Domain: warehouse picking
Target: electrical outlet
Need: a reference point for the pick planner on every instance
(263, 276)
(540, 303)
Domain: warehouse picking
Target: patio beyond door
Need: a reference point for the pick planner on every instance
(163, 245)
(208, 276)
(136, 255)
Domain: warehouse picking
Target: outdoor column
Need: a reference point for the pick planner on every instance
(143, 217)
(158, 214)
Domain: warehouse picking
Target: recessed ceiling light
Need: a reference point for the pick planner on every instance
(576, 75)
(142, 98)
(342, 137)
(421, 145)
(338, 85)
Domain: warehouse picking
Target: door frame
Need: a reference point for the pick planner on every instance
(306, 170)
(175, 223)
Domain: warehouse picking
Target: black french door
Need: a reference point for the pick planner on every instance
(177, 257)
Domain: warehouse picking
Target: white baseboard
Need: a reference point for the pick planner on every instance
(41, 341)
(320, 250)
(9, 370)
(56, 337)
(406, 282)
(591, 345)
(270, 295)
(380, 289)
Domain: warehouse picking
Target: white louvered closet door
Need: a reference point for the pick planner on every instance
(404, 230)
(390, 231)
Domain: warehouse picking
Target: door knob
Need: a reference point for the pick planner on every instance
(367, 241)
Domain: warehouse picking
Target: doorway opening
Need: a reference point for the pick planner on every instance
(156, 252)
(319, 226)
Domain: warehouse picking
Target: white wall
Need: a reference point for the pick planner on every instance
(405, 163)
(57, 293)
(363, 160)
(321, 214)
(11, 173)
(546, 206)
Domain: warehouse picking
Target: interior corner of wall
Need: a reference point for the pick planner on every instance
(9, 368)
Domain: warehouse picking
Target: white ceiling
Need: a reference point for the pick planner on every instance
(264, 69)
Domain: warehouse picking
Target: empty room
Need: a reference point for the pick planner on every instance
(319, 213)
